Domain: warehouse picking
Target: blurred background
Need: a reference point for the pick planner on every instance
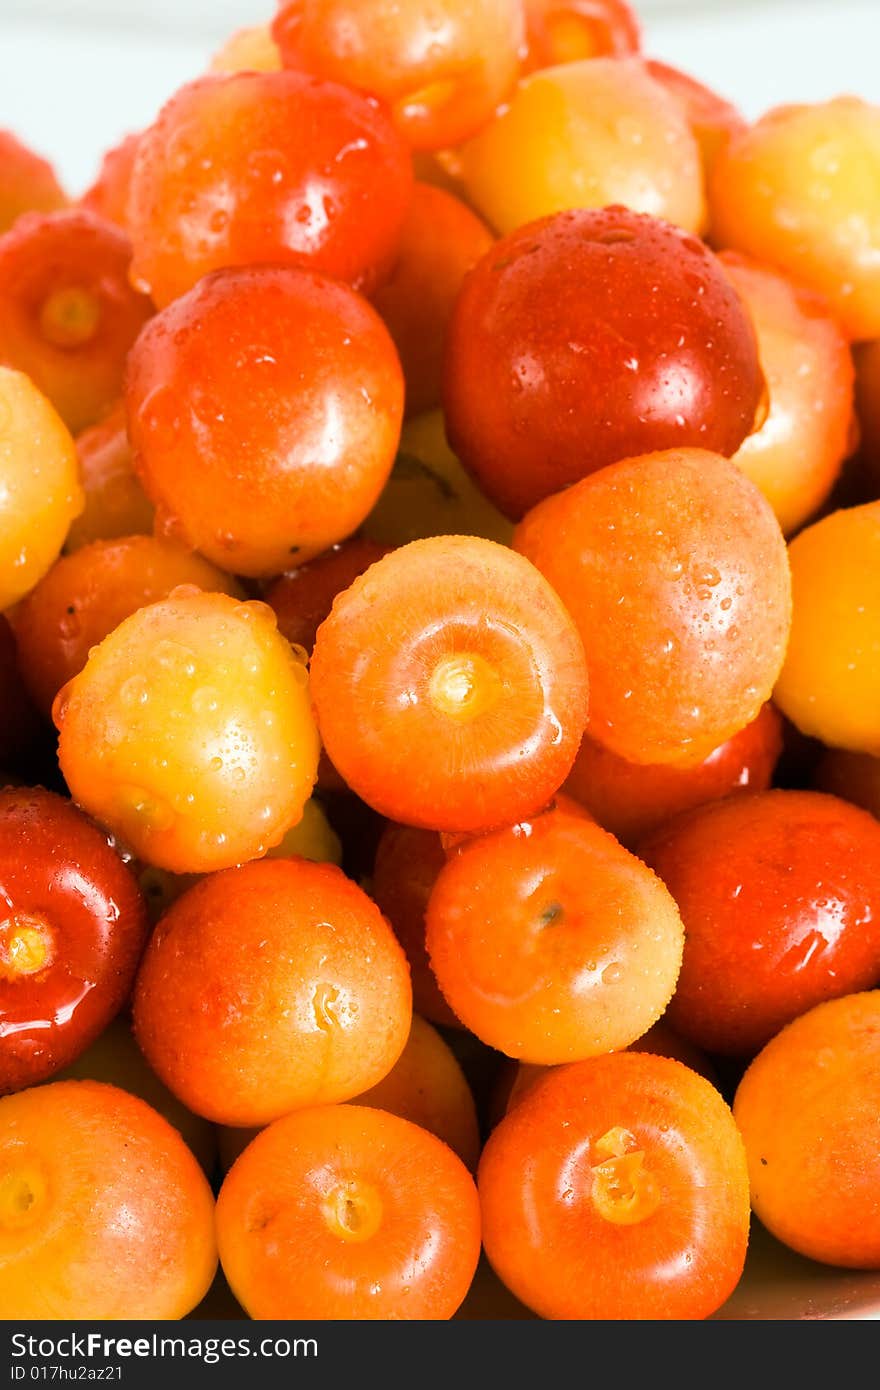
(76, 75)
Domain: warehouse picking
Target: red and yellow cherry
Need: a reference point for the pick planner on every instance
(631, 799)
(267, 168)
(617, 1189)
(73, 925)
(264, 410)
(271, 987)
(189, 732)
(586, 135)
(590, 337)
(442, 68)
(550, 941)
(780, 897)
(675, 572)
(40, 489)
(68, 314)
(450, 685)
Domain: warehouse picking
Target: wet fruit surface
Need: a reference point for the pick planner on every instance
(477, 698)
(117, 1223)
(586, 135)
(312, 1224)
(191, 794)
(68, 314)
(616, 1189)
(653, 351)
(274, 986)
(264, 411)
(807, 1109)
(780, 897)
(73, 926)
(225, 178)
(676, 574)
(551, 942)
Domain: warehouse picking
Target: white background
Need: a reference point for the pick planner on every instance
(76, 75)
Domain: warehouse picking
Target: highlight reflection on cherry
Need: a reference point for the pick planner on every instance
(73, 925)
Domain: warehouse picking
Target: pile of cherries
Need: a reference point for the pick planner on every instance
(439, 571)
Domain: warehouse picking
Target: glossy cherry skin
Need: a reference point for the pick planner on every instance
(443, 68)
(585, 135)
(780, 896)
(267, 167)
(68, 314)
(73, 927)
(676, 574)
(631, 799)
(797, 455)
(565, 31)
(587, 337)
(264, 411)
(116, 504)
(617, 1189)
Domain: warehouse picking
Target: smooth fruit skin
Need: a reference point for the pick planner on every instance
(797, 454)
(116, 1060)
(518, 1078)
(269, 988)
(442, 68)
(800, 190)
(116, 504)
(312, 837)
(829, 686)
(68, 314)
(675, 572)
(86, 595)
(40, 489)
(589, 337)
(408, 862)
(189, 732)
(27, 182)
(73, 926)
(565, 31)
(264, 410)
(104, 1212)
(551, 942)
(442, 240)
(632, 799)
(585, 135)
(780, 897)
(426, 1085)
(545, 1189)
(808, 1109)
(343, 1212)
(450, 685)
(267, 168)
